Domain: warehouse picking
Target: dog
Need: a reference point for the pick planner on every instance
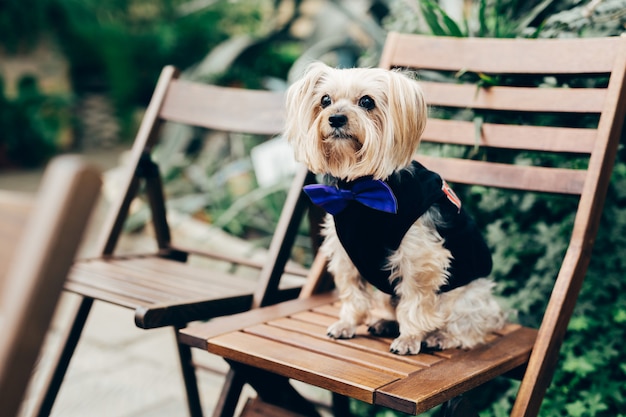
(391, 222)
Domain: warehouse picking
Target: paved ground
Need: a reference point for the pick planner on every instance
(119, 370)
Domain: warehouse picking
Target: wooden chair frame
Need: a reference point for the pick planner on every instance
(162, 288)
(288, 340)
(39, 238)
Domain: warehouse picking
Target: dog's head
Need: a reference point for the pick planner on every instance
(357, 122)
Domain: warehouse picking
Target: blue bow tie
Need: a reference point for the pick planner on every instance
(371, 193)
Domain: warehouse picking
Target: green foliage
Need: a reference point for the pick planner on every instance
(262, 61)
(120, 47)
(589, 19)
(486, 18)
(21, 23)
(511, 18)
(30, 125)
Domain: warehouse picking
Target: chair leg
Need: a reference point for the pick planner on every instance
(457, 407)
(229, 397)
(189, 376)
(273, 389)
(45, 400)
(341, 405)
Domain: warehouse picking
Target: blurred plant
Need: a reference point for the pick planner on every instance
(485, 18)
(593, 18)
(119, 47)
(511, 18)
(21, 24)
(31, 124)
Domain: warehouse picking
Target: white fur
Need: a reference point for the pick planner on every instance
(378, 142)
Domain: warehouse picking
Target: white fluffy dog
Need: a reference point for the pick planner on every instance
(391, 222)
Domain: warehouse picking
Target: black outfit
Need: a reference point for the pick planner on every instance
(369, 235)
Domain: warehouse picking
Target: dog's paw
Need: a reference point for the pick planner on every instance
(438, 341)
(406, 345)
(384, 328)
(435, 341)
(341, 330)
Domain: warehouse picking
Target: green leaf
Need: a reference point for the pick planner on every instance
(451, 25)
(428, 10)
(435, 16)
(483, 28)
(578, 323)
(578, 365)
(487, 80)
(532, 15)
(620, 316)
(575, 409)
(478, 131)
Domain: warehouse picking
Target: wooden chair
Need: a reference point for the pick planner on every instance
(289, 339)
(162, 288)
(38, 241)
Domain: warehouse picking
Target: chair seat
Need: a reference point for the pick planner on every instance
(163, 292)
(291, 341)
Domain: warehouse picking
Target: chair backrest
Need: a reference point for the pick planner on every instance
(225, 109)
(38, 241)
(497, 84)
(195, 104)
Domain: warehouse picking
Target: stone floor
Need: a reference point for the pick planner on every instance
(119, 370)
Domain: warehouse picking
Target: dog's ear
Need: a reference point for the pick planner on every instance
(314, 72)
(301, 102)
(408, 112)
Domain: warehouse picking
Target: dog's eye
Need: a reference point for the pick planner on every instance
(367, 102)
(326, 101)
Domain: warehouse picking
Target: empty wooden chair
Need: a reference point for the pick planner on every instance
(161, 287)
(496, 81)
(39, 238)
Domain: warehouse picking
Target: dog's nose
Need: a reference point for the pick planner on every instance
(337, 120)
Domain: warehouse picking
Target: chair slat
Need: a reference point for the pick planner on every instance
(516, 177)
(122, 279)
(326, 372)
(292, 269)
(122, 300)
(329, 310)
(259, 111)
(316, 318)
(532, 138)
(426, 388)
(197, 334)
(326, 346)
(178, 274)
(154, 285)
(557, 100)
(363, 341)
(110, 287)
(512, 56)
